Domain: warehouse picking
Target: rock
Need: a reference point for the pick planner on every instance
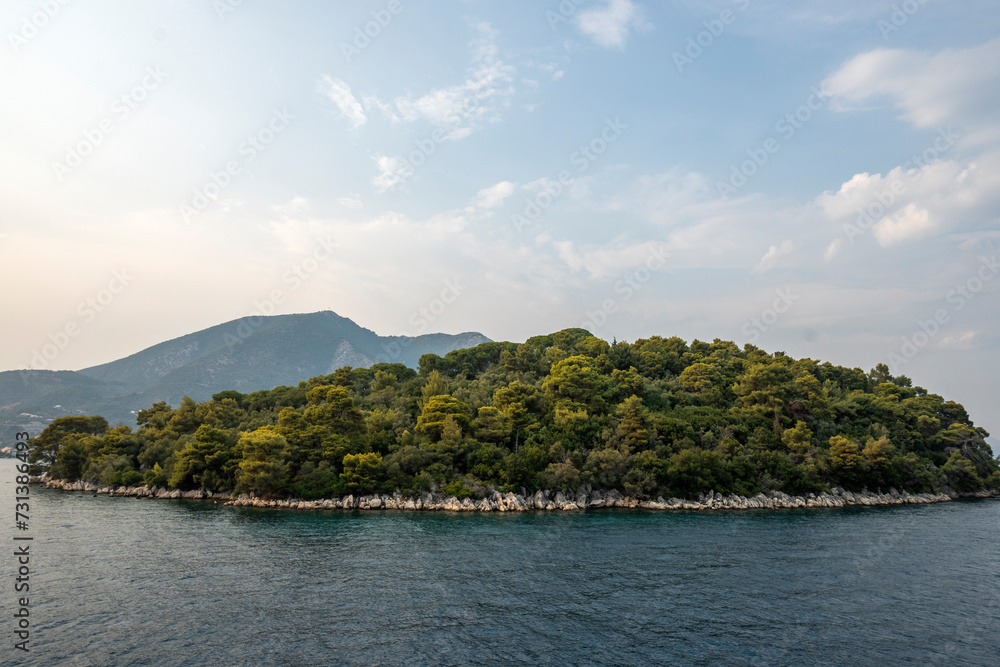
(538, 501)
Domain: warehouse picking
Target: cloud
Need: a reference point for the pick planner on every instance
(340, 94)
(351, 202)
(952, 184)
(912, 222)
(553, 70)
(606, 261)
(463, 107)
(929, 90)
(909, 203)
(770, 258)
(294, 205)
(833, 249)
(494, 196)
(964, 341)
(609, 26)
(391, 172)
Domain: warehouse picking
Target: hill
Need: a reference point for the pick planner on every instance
(246, 355)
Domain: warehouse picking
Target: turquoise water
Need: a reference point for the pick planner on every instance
(120, 581)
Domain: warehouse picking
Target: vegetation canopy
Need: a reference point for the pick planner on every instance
(558, 412)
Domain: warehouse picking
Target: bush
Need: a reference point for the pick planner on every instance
(456, 489)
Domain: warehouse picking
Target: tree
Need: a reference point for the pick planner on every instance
(846, 461)
(562, 476)
(961, 473)
(576, 380)
(692, 472)
(262, 470)
(699, 377)
(45, 448)
(491, 425)
(203, 461)
(798, 440)
(435, 385)
(633, 429)
(362, 472)
(436, 410)
(517, 401)
(155, 417)
(605, 468)
(332, 407)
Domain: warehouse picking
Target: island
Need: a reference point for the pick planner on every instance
(562, 421)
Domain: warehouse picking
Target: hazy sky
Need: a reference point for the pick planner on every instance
(821, 178)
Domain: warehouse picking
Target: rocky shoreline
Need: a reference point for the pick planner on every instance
(541, 500)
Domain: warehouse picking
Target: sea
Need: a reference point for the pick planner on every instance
(125, 581)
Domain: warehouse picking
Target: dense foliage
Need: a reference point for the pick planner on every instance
(657, 416)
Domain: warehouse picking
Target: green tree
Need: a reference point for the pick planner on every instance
(491, 425)
(432, 419)
(576, 379)
(261, 470)
(203, 462)
(363, 473)
(44, 449)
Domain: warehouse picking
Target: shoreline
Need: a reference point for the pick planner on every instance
(539, 501)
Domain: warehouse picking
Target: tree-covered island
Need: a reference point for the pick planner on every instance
(657, 417)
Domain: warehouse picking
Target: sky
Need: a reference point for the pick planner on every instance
(817, 178)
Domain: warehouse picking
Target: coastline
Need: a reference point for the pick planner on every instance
(539, 501)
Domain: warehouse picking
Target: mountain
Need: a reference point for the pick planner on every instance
(247, 355)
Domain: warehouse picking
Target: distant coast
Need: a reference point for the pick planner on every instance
(539, 501)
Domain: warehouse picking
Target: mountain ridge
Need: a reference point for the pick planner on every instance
(245, 354)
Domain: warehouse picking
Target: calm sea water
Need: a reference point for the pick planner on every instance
(119, 581)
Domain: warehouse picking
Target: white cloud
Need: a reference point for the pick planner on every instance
(833, 249)
(294, 205)
(609, 26)
(907, 204)
(338, 92)
(963, 341)
(494, 196)
(606, 261)
(553, 70)
(463, 107)
(951, 86)
(391, 172)
(910, 223)
(351, 202)
(770, 258)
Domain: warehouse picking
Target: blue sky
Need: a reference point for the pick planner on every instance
(691, 168)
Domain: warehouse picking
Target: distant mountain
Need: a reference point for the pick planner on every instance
(247, 355)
